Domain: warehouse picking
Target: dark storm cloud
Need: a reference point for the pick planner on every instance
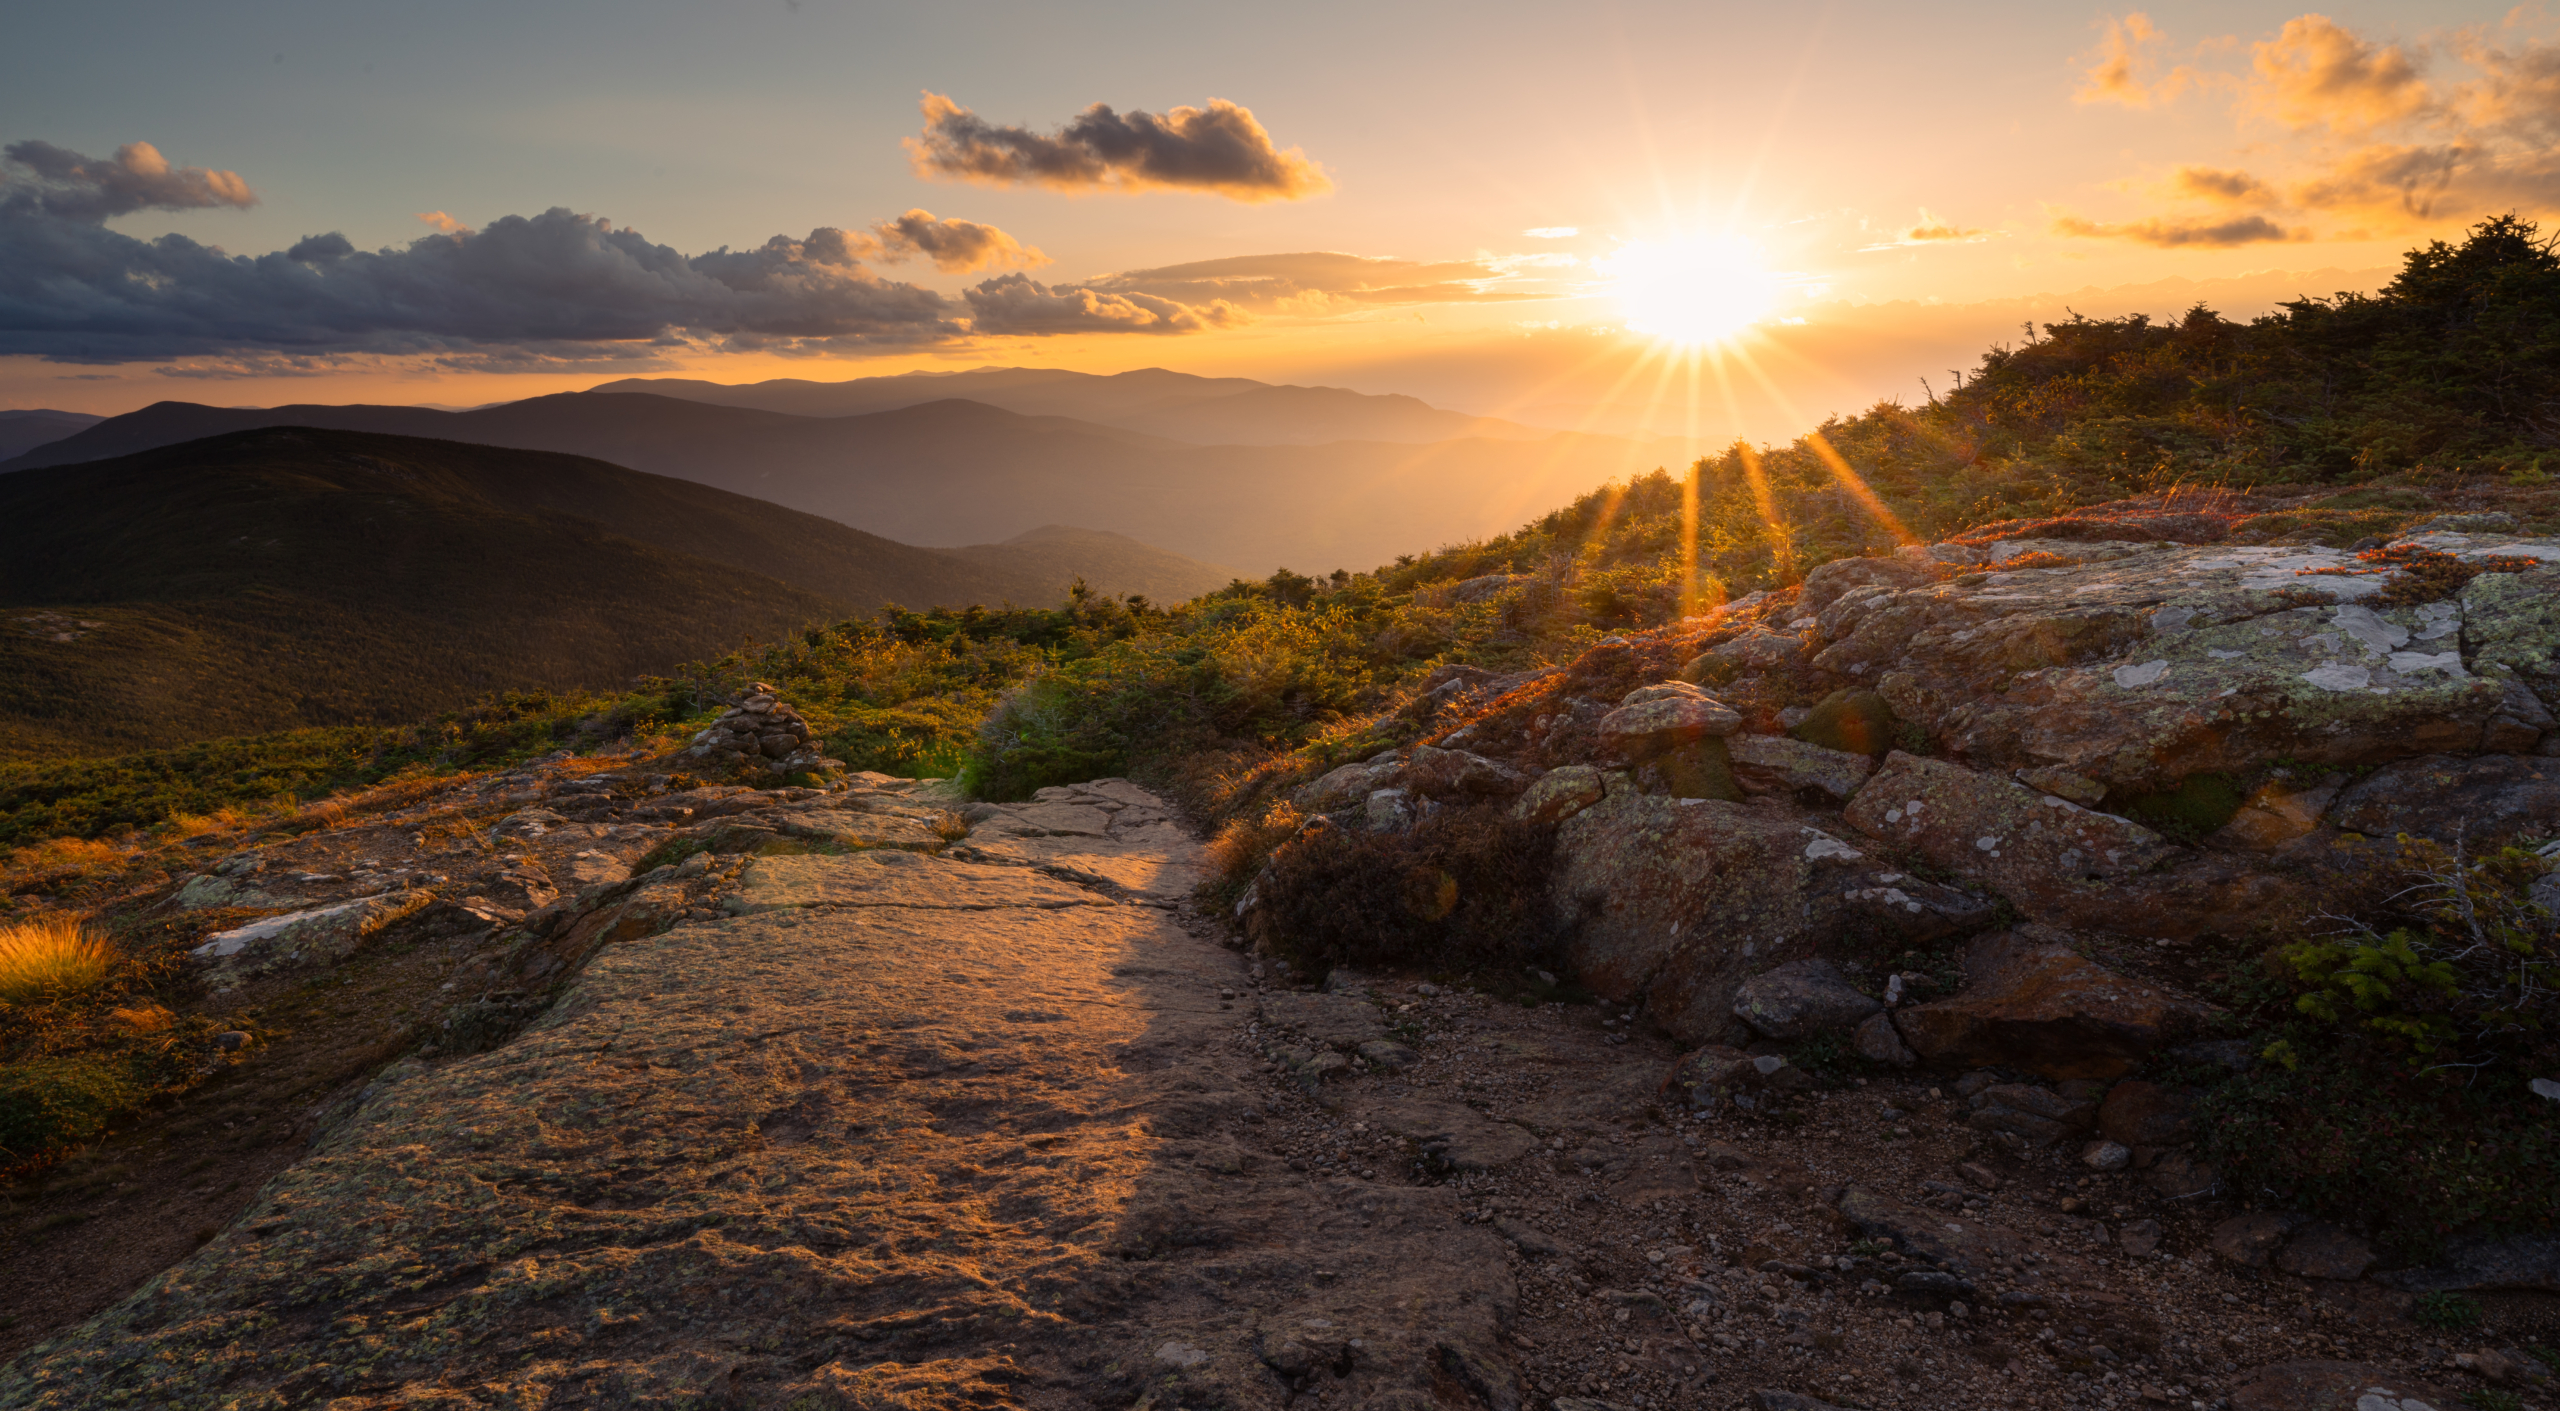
(1220, 148)
(79, 292)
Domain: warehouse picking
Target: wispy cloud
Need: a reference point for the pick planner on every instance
(2177, 234)
(1220, 148)
(1014, 303)
(1930, 229)
(1318, 282)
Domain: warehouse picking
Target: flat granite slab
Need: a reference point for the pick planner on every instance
(915, 1133)
(893, 878)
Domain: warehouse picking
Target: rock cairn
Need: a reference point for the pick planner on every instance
(759, 734)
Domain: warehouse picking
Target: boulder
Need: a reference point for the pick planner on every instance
(1765, 764)
(1339, 788)
(1877, 1042)
(2321, 1250)
(2251, 1240)
(1457, 775)
(2137, 666)
(2062, 783)
(2043, 852)
(2511, 626)
(1754, 651)
(1716, 1074)
(1657, 725)
(2316, 1384)
(2178, 1175)
(2033, 1003)
(2141, 1114)
(2472, 1263)
(1825, 584)
(1559, 794)
(1888, 903)
(2038, 1115)
(1387, 811)
(1800, 999)
(321, 935)
(2484, 800)
(1678, 901)
(1852, 721)
(2276, 813)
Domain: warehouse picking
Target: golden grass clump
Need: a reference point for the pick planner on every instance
(51, 957)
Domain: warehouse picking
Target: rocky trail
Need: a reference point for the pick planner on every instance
(995, 1122)
(869, 1097)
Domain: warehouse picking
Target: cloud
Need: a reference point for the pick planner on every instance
(2517, 93)
(2122, 68)
(444, 223)
(38, 178)
(1930, 229)
(1319, 282)
(1552, 232)
(2117, 72)
(1013, 303)
(79, 292)
(2179, 234)
(2234, 188)
(2385, 181)
(954, 246)
(2372, 140)
(2318, 73)
(1220, 148)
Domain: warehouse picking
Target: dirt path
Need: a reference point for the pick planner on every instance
(907, 1131)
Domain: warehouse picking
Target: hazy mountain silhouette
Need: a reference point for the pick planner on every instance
(22, 431)
(963, 472)
(1209, 411)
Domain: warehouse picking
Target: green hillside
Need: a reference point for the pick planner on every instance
(279, 578)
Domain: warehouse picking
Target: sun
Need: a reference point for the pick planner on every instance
(1691, 289)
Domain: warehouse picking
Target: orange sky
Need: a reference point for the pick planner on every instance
(1499, 210)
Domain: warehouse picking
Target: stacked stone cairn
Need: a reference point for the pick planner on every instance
(758, 734)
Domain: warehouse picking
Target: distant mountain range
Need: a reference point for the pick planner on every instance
(282, 577)
(1206, 411)
(23, 431)
(962, 472)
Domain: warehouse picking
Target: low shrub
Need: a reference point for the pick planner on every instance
(2347, 1132)
(54, 1102)
(1465, 889)
(2477, 967)
(2447, 1310)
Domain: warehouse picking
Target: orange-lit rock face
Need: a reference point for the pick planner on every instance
(2034, 1004)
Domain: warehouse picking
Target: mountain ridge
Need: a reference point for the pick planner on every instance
(1203, 410)
(292, 576)
(958, 472)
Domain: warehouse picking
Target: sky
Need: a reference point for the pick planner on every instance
(1697, 219)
